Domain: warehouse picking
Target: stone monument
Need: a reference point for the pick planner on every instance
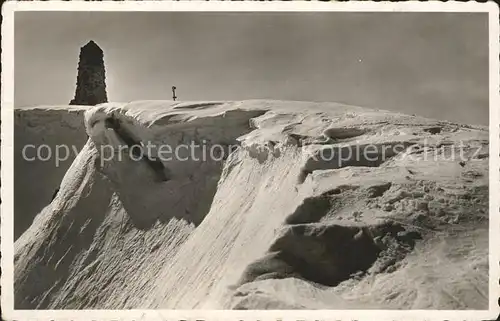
(90, 81)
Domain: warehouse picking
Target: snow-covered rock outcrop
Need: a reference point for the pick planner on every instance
(301, 205)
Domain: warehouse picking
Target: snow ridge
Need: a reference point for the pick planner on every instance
(281, 219)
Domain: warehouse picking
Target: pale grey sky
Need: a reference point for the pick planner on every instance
(430, 64)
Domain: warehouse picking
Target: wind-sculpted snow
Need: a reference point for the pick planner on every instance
(36, 181)
(304, 205)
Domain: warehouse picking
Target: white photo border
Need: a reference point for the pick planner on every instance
(7, 162)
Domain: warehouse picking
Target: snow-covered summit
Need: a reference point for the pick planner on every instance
(278, 205)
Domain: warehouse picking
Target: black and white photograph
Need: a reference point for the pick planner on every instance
(323, 160)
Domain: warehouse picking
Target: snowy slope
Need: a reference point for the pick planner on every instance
(36, 181)
(287, 219)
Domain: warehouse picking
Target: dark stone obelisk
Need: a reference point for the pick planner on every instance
(90, 81)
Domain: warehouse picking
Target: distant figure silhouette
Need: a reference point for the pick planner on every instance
(173, 92)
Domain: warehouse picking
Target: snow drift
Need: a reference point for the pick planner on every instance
(301, 205)
(36, 181)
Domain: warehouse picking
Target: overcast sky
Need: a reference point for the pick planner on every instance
(430, 64)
